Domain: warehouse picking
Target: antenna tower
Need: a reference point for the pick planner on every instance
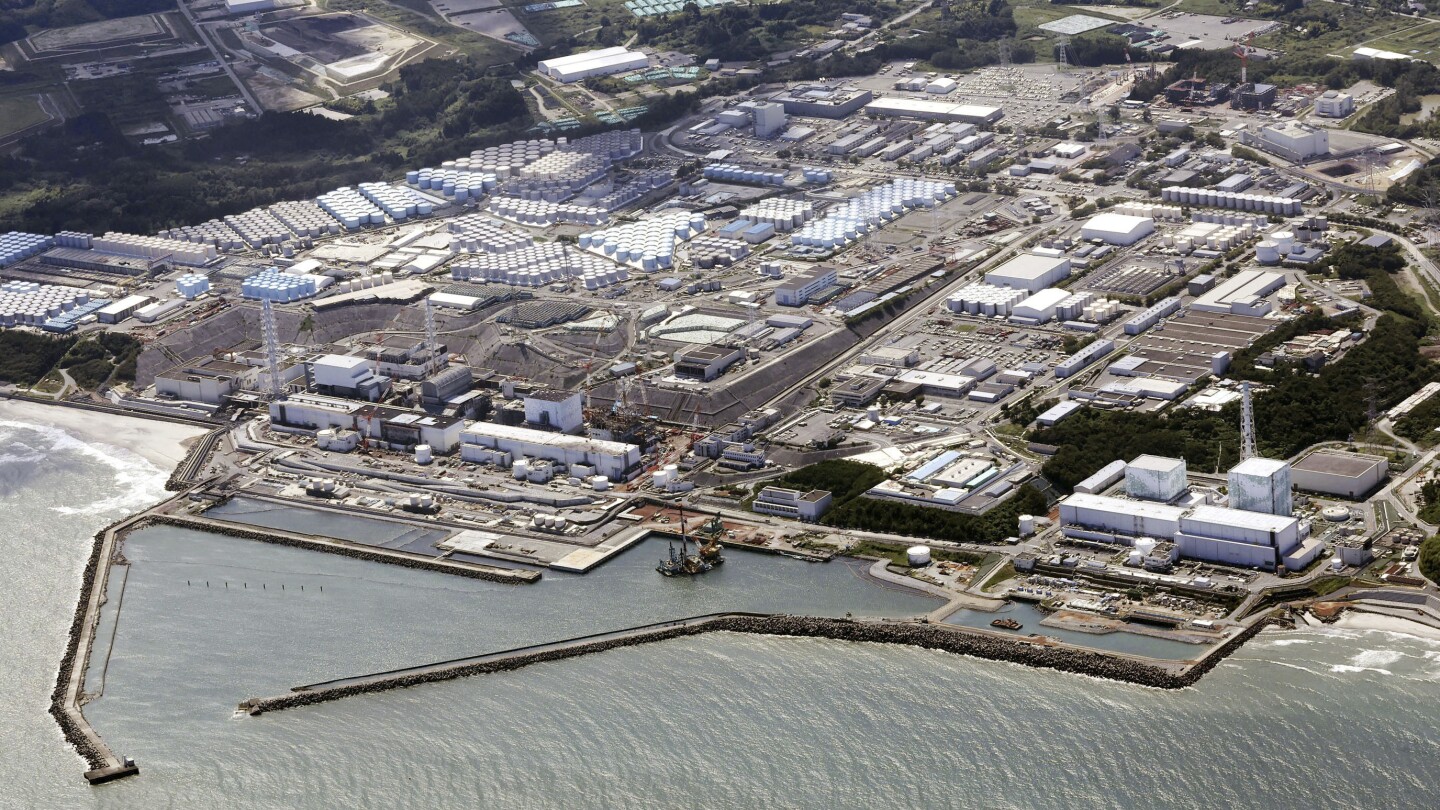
(272, 345)
(1247, 424)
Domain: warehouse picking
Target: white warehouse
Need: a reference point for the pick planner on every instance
(1117, 229)
(602, 62)
(1030, 273)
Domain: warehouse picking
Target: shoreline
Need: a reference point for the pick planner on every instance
(163, 444)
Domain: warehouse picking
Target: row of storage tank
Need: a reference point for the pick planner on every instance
(1224, 238)
(1226, 199)
(812, 175)
(785, 215)
(278, 286)
(457, 183)
(985, 299)
(1275, 247)
(648, 244)
(544, 212)
(303, 218)
(155, 247)
(351, 208)
(365, 282)
(17, 246)
(1163, 213)
(729, 172)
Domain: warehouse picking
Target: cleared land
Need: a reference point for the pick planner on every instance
(17, 114)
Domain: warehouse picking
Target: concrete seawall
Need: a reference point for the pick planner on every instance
(928, 636)
(403, 559)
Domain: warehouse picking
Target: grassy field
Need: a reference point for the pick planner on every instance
(20, 112)
(557, 24)
(1420, 41)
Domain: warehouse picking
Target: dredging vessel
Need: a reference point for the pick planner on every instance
(683, 563)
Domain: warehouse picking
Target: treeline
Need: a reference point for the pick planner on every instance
(1300, 409)
(85, 175)
(748, 32)
(848, 481)
(93, 359)
(25, 357)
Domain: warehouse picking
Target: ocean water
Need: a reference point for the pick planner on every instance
(1325, 718)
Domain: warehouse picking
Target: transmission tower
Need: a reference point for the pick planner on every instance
(271, 335)
(1062, 54)
(1247, 424)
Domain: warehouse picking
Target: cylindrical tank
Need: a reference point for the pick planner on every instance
(423, 454)
(918, 556)
(1027, 525)
(521, 470)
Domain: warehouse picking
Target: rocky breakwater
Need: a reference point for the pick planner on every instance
(85, 741)
(344, 549)
(916, 634)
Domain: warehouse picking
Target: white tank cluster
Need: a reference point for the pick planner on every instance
(538, 265)
(614, 145)
(785, 215)
(712, 251)
(397, 201)
(1256, 221)
(365, 282)
(192, 286)
(26, 303)
(17, 246)
(1278, 246)
(1209, 236)
(813, 175)
(303, 217)
(730, 173)
(279, 286)
(1159, 213)
(663, 477)
(871, 209)
(542, 213)
(506, 160)
(647, 245)
(420, 500)
(1102, 310)
(351, 208)
(985, 299)
(549, 523)
(74, 239)
(1229, 199)
(214, 232)
(557, 176)
(155, 247)
(476, 233)
(461, 184)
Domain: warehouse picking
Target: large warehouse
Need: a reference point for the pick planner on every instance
(1029, 273)
(603, 62)
(895, 107)
(1333, 472)
(1117, 229)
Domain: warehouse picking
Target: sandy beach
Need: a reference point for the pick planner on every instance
(1357, 620)
(161, 443)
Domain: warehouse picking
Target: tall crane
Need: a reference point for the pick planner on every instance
(1247, 424)
(271, 334)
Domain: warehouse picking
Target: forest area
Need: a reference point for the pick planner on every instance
(1299, 409)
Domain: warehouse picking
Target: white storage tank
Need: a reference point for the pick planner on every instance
(1027, 525)
(918, 556)
(423, 454)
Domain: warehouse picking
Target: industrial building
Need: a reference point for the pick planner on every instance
(1291, 140)
(705, 363)
(238, 7)
(822, 101)
(120, 310)
(1334, 472)
(1241, 294)
(770, 120)
(347, 376)
(489, 442)
(1155, 478)
(929, 110)
(1253, 96)
(1117, 229)
(1261, 485)
(1334, 104)
(792, 503)
(561, 411)
(211, 382)
(797, 291)
(1204, 532)
(1030, 272)
(602, 62)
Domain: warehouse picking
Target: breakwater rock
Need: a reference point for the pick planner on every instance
(928, 636)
